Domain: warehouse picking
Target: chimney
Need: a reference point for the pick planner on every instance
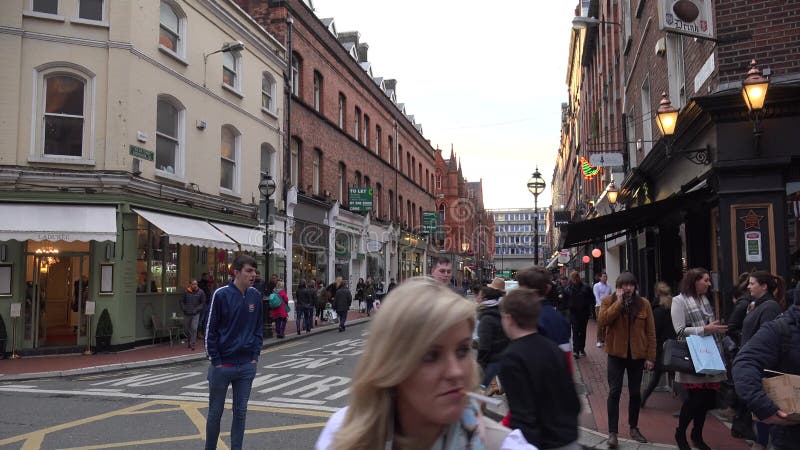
(363, 48)
(349, 36)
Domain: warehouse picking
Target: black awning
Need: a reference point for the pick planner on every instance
(616, 224)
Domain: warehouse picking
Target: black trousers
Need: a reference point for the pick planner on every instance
(579, 324)
(617, 367)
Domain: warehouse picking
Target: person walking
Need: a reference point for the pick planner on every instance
(360, 293)
(631, 348)
(663, 322)
(369, 294)
(742, 422)
(600, 290)
(692, 314)
(534, 374)
(775, 346)
(491, 338)
(280, 314)
(233, 344)
(322, 299)
(581, 302)
(193, 302)
(306, 300)
(341, 303)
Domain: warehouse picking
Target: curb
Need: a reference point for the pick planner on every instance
(161, 361)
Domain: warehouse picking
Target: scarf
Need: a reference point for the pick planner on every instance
(489, 303)
(466, 434)
(698, 314)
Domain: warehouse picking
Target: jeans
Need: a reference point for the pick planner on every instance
(280, 326)
(190, 328)
(579, 333)
(616, 372)
(304, 318)
(370, 304)
(342, 318)
(240, 377)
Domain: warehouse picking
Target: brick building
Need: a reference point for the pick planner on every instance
(718, 192)
(346, 130)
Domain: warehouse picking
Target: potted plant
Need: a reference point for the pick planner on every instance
(104, 331)
(3, 338)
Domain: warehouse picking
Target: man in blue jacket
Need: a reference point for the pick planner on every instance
(773, 349)
(233, 343)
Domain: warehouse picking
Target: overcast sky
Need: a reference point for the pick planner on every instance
(486, 77)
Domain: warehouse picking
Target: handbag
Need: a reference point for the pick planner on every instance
(705, 355)
(677, 357)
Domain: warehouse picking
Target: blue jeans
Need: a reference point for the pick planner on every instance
(240, 377)
(304, 318)
(342, 318)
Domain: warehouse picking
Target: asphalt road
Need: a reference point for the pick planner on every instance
(298, 386)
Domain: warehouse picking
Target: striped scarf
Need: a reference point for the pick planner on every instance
(698, 314)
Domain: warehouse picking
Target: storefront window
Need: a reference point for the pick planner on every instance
(157, 261)
(376, 267)
(309, 253)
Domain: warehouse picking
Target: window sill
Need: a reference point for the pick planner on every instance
(233, 90)
(169, 176)
(269, 113)
(61, 160)
(172, 55)
(230, 193)
(90, 22)
(46, 16)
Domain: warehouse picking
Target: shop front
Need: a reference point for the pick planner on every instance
(412, 255)
(310, 238)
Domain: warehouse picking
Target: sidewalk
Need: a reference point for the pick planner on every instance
(655, 421)
(144, 356)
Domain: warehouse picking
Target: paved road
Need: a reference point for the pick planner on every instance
(297, 387)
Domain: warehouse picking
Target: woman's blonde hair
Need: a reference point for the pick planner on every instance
(664, 295)
(411, 318)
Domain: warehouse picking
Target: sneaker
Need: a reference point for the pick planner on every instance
(600, 344)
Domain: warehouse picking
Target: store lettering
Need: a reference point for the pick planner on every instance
(53, 236)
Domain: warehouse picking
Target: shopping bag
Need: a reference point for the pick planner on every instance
(676, 357)
(705, 355)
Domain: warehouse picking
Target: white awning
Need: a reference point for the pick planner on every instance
(187, 231)
(250, 239)
(69, 223)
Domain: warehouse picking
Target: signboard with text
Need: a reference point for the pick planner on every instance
(141, 153)
(360, 199)
(430, 222)
(689, 17)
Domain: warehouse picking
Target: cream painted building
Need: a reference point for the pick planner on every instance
(133, 137)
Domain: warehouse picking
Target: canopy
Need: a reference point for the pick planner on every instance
(250, 239)
(188, 231)
(49, 222)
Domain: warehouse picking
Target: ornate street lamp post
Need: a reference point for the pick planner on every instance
(536, 186)
(267, 188)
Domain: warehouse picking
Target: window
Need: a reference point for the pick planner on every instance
(231, 67)
(357, 124)
(342, 182)
(315, 171)
(317, 91)
(169, 136)
(427, 180)
(172, 35)
(64, 120)
(438, 181)
(376, 200)
(357, 179)
(90, 10)
(420, 179)
(400, 157)
(400, 208)
(294, 162)
(378, 140)
(391, 205)
(161, 266)
(412, 172)
(229, 157)
(268, 92)
(296, 74)
(45, 6)
(675, 69)
(648, 117)
(392, 155)
(342, 110)
(366, 131)
(267, 155)
(441, 214)
(409, 167)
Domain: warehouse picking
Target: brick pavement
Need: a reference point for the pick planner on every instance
(655, 421)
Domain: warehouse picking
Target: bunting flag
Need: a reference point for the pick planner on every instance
(588, 170)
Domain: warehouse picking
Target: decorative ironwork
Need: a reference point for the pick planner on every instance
(700, 156)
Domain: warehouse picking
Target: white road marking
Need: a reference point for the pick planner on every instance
(19, 386)
(104, 390)
(296, 400)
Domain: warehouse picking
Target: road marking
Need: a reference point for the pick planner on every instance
(146, 379)
(18, 386)
(104, 390)
(282, 347)
(296, 400)
(195, 394)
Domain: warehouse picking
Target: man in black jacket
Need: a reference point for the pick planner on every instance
(581, 304)
(341, 302)
(541, 394)
(776, 346)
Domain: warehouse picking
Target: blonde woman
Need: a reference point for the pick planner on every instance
(415, 398)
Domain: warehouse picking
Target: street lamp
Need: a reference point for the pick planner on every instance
(611, 194)
(580, 22)
(536, 186)
(267, 187)
(234, 47)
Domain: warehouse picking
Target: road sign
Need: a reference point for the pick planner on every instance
(141, 153)
(360, 199)
(606, 159)
(429, 221)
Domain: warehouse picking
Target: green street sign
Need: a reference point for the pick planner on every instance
(430, 222)
(141, 153)
(360, 199)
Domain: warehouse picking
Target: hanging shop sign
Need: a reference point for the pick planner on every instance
(588, 170)
(689, 17)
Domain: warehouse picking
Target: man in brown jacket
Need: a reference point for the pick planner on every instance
(631, 347)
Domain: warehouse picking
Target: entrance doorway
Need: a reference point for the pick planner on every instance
(57, 288)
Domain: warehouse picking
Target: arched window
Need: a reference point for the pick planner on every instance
(172, 29)
(438, 182)
(441, 214)
(170, 116)
(230, 152)
(268, 92)
(297, 65)
(317, 91)
(342, 182)
(316, 171)
(294, 161)
(267, 161)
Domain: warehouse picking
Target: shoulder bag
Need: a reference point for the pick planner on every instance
(676, 357)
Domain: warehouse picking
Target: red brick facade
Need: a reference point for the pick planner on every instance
(402, 185)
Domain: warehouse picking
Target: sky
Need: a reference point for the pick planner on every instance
(487, 78)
